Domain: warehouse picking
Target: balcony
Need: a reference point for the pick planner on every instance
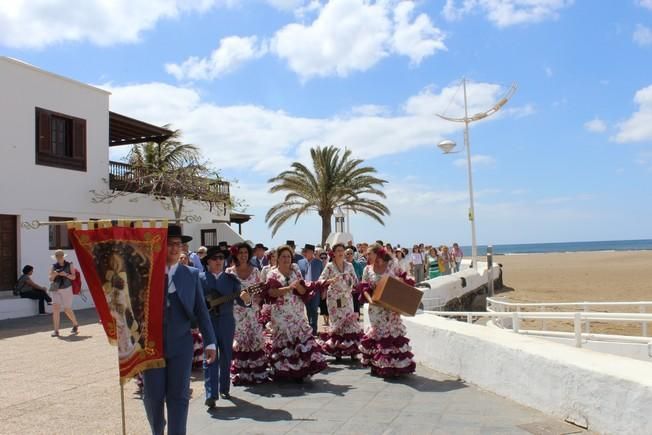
(124, 177)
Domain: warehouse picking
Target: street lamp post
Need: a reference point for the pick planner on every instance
(447, 147)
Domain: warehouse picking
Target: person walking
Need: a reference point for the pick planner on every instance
(259, 260)
(183, 300)
(457, 254)
(216, 283)
(444, 261)
(249, 360)
(358, 267)
(26, 288)
(62, 273)
(311, 268)
(343, 334)
(433, 263)
(293, 351)
(385, 347)
(418, 264)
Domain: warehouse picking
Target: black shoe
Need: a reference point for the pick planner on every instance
(225, 396)
(210, 402)
(75, 329)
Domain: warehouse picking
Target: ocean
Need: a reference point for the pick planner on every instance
(537, 248)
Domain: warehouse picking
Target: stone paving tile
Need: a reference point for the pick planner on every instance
(69, 386)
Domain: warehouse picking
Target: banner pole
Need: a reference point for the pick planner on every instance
(122, 402)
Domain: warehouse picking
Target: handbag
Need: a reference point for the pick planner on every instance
(54, 286)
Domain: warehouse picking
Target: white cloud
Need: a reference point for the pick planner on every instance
(642, 35)
(476, 160)
(286, 5)
(639, 125)
(354, 35)
(645, 3)
(232, 52)
(266, 141)
(596, 125)
(370, 110)
(39, 23)
(418, 39)
(505, 13)
(450, 101)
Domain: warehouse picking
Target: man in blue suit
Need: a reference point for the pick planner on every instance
(258, 260)
(296, 257)
(183, 302)
(217, 283)
(311, 268)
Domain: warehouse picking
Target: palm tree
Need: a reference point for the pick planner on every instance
(171, 154)
(171, 171)
(337, 180)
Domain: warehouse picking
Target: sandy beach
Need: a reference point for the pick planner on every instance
(577, 277)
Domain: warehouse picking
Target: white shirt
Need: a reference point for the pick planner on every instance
(171, 270)
(417, 258)
(309, 271)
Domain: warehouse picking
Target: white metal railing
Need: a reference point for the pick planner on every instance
(497, 305)
(577, 317)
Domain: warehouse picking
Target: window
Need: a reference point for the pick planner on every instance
(209, 237)
(60, 140)
(59, 233)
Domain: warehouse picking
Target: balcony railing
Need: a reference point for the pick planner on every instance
(124, 177)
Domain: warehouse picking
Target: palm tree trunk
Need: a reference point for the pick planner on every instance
(325, 227)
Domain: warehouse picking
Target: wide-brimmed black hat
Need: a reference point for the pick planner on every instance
(290, 243)
(309, 247)
(261, 246)
(212, 251)
(175, 231)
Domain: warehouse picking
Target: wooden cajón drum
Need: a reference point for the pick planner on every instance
(395, 295)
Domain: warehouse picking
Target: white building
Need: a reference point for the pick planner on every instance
(56, 134)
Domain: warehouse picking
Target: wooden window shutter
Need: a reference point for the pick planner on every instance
(43, 131)
(79, 139)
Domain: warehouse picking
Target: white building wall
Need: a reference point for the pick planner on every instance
(36, 192)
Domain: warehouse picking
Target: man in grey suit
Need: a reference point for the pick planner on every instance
(183, 302)
(311, 268)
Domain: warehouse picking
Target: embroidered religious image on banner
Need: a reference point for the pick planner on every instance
(124, 268)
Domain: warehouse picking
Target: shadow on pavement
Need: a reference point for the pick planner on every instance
(427, 385)
(249, 410)
(30, 325)
(293, 389)
(73, 338)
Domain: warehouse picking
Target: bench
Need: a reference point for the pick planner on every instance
(13, 307)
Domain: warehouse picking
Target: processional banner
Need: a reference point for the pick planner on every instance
(124, 266)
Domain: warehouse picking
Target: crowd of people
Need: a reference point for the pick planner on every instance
(263, 315)
(248, 314)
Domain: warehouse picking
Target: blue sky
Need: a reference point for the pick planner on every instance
(256, 83)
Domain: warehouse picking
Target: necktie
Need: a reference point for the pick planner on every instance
(166, 301)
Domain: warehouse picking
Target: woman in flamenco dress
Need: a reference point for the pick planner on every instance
(344, 332)
(385, 347)
(249, 364)
(293, 352)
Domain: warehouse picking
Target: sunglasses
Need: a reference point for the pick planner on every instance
(323, 257)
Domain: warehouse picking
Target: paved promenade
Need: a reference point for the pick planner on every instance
(70, 386)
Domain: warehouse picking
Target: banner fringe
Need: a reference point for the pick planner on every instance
(145, 365)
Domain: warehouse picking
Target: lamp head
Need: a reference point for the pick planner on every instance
(447, 146)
